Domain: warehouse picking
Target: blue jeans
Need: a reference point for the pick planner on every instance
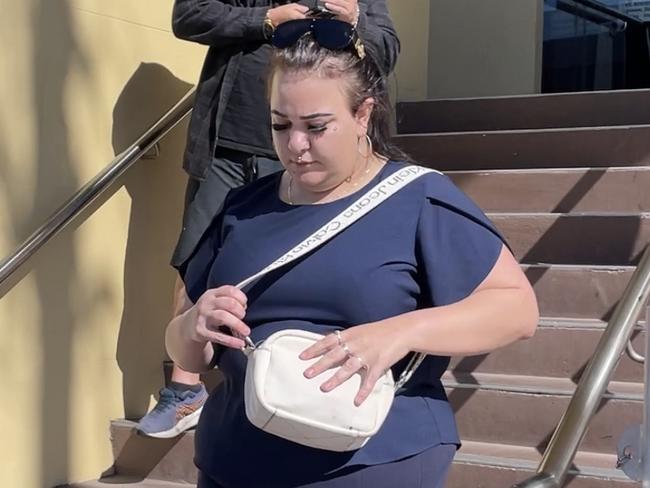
(204, 199)
(427, 469)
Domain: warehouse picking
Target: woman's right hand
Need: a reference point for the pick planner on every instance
(216, 311)
(283, 13)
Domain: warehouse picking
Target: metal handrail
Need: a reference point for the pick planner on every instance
(95, 187)
(611, 12)
(585, 10)
(572, 427)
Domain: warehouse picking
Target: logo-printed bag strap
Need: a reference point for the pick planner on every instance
(367, 202)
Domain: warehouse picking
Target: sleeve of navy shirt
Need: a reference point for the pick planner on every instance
(457, 244)
(195, 271)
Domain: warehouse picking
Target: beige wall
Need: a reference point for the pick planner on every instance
(484, 48)
(81, 330)
(467, 48)
(411, 19)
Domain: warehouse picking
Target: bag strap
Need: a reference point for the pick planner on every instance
(367, 202)
(371, 199)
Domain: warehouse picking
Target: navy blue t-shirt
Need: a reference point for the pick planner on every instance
(427, 245)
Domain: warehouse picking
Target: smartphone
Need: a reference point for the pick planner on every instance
(319, 11)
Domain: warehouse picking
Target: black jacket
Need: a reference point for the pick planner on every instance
(226, 26)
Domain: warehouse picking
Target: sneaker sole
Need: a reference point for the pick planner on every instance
(181, 426)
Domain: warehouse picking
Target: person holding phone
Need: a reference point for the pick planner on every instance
(229, 138)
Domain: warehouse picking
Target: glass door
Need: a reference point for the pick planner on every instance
(595, 45)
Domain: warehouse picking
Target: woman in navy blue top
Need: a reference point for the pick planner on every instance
(424, 272)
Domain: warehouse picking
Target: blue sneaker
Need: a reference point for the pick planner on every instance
(175, 412)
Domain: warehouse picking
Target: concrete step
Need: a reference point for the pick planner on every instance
(558, 190)
(577, 238)
(473, 458)
(561, 348)
(538, 148)
(589, 292)
(584, 109)
(128, 482)
(492, 465)
(144, 462)
(525, 410)
(142, 457)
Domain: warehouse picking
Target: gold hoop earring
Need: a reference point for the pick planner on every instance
(369, 152)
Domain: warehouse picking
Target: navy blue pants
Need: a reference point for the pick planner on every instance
(425, 470)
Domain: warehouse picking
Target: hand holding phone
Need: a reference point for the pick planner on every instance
(319, 11)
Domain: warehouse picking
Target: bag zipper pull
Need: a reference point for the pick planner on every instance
(249, 346)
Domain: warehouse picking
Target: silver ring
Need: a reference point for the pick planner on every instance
(338, 337)
(345, 347)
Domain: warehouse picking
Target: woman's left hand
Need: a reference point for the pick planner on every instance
(345, 10)
(369, 349)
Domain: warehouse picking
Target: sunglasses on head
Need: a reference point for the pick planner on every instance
(328, 33)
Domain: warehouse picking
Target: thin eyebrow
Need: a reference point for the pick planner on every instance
(304, 117)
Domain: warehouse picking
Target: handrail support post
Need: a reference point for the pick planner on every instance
(644, 447)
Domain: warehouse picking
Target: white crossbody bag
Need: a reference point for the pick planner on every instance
(277, 396)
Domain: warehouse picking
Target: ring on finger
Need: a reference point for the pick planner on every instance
(338, 338)
(361, 362)
(345, 348)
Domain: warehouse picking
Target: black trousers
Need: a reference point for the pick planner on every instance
(204, 199)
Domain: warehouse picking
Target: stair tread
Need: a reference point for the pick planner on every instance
(127, 481)
(548, 130)
(541, 385)
(588, 189)
(579, 94)
(613, 215)
(601, 147)
(528, 458)
(578, 267)
(576, 109)
(575, 238)
(128, 424)
(535, 171)
(125, 423)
